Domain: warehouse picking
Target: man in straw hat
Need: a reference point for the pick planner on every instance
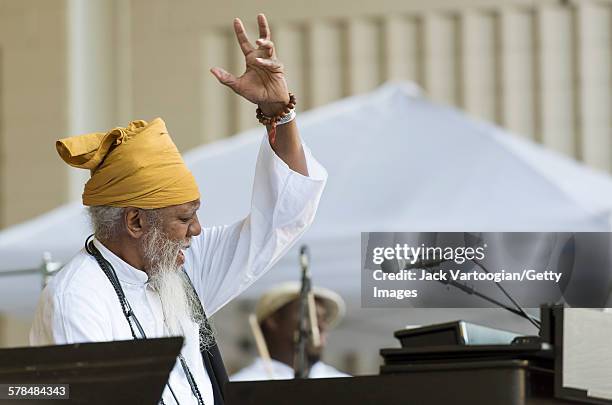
(151, 270)
(275, 330)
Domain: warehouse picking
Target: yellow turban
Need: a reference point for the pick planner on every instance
(136, 166)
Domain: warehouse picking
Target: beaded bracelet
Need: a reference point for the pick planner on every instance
(286, 115)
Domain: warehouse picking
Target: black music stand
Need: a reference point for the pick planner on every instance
(120, 372)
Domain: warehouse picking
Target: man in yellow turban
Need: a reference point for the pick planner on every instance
(149, 252)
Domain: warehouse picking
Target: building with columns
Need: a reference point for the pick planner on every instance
(541, 68)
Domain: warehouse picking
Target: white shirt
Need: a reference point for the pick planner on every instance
(80, 305)
(280, 371)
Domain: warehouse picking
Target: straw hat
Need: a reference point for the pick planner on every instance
(282, 294)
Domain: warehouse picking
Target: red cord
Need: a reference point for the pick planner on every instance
(272, 134)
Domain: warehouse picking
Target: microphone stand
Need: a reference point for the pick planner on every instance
(47, 269)
(524, 314)
(471, 291)
(301, 366)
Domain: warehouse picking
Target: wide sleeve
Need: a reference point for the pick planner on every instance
(223, 261)
(71, 317)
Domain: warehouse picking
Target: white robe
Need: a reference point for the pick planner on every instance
(280, 371)
(80, 305)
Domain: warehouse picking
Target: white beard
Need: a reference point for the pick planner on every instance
(179, 302)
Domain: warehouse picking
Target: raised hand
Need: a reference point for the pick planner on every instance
(263, 81)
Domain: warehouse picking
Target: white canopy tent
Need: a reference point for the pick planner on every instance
(396, 162)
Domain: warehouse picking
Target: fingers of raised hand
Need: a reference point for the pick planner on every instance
(264, 29)
(241, 36)
(267, 46)
(224, 77)
(269, 64)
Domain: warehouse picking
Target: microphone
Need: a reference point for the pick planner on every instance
(397, 265)
(304, 258)
(301, 366)
(476, 238)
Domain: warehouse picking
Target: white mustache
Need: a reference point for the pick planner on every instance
(179, 302)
